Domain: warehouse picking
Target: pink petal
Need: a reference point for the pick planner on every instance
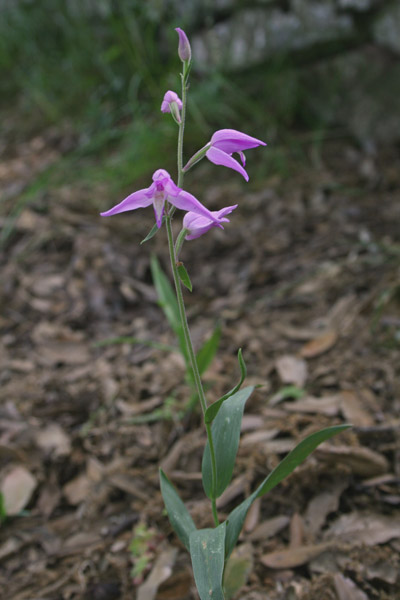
(218, 157)
(159, 205)
(168, 98)
(184, 50)
(230, 140)
(198, 225)
(136, 200)
(186, 201)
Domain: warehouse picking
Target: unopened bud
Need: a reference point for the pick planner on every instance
(172, 104)
(184, 50)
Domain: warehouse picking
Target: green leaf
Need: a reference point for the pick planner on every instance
(3, 512)
(285, 467)
(208, 350)
(184, 276)
(152, 232)
(288, 391)
(169, 304)
(207, 553)
(213, 409)
(225, 432)
(178, 514)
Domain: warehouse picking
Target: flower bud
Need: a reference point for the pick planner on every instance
(184, 50)
(172, 104)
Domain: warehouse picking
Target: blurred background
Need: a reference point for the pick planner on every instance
(292, 72)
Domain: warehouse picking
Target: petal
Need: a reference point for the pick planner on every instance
(160, 174)
(186, 201)
(171, 188)
(198, 225)
(184, 50)
(218, 157)
(165, 107)
(159, 204)
(136, 200)
(230, 140)
(170, 97)
(193, 221)
(224, 211)
(199, 231)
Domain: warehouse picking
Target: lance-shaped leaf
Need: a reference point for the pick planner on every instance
(152, 232)
(178, 514)
(286, 466)
(225, 432)
(213, 409)
(207, 551)
(184, 276)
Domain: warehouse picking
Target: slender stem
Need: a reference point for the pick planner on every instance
(181, 131)
(193, 361)
(182, 314)
(213, 473)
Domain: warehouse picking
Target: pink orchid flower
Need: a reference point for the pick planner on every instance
(197, 224)
(161, 190)
(169, 98)
(226, 141)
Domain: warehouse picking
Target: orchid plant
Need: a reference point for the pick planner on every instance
(209, 548)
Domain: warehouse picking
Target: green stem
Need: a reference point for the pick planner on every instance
(181, 131)
(192, 359)
(179, 296)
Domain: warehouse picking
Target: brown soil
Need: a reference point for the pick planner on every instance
(305, 279)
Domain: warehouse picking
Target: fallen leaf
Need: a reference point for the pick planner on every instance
(77, 489)
(253, 516)
(346, 589)
(293, 557)
(68, 353)
(54, 440)
(238, 486)
(353, 410)
(364, 528)
(296, 533)
(10, 546)
(292, 369)
(319, 344)
(269, 528)
(328, 406)
(17, 488)
(321, 505)
(161, 570)
(362, 461)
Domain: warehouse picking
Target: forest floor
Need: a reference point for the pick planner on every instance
(305, 279)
